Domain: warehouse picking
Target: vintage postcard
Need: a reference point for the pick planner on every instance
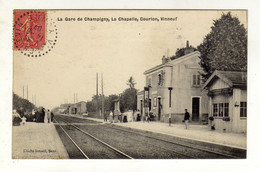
(129, 84)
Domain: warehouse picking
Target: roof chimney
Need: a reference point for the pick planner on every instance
(188, 48)
(187, 44)
(165, 60)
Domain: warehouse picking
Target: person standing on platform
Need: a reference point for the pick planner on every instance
(105, 117)
(48, 116)
(45, 116)
(16, 118)
(111, 117)
(186, 118)
(146, 113)
(138, 116)
(33, 115)
(41, 115)
(170, 120)
(23, 120)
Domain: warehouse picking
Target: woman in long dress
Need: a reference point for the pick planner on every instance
(45, 116)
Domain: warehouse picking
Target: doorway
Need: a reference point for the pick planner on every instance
(195, 108)
(159, 108)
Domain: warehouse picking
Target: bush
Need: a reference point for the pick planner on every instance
(211, 118)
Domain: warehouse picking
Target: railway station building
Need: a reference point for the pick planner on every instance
(78, 108)
(172, 87)
(227, 91)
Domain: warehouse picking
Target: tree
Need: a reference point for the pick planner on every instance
(131, 82)
(128, 100)
(20, 103)
(109, 102)
(225, 47)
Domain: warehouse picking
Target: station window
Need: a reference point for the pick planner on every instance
(159, 79)
(149, 82)
(215, 109)
(243, 109)
(221, 109)
(196, 80)
(226, 109)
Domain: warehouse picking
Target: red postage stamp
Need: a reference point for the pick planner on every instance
(29, 29)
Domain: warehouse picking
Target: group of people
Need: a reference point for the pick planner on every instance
(41, 115)
(116, 117)
(148, 116)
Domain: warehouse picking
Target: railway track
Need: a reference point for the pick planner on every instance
(181, 148)
(122, 155)
(179, 143)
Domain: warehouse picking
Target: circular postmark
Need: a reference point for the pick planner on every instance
(35, 34)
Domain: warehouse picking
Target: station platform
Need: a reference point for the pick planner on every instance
(194, 132)
(37, 141)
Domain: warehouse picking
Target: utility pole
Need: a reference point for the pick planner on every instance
(35, 99)
(167, 52)
(97, 84)
(27, 93)
(23, 91)
(102, 87)
(97, 92)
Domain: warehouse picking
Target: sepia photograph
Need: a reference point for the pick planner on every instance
(130, 84)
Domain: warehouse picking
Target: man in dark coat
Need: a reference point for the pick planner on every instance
(42, 115)
(52, 116)
(186, 118)
(38, 115)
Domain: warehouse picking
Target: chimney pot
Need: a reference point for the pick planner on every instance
(187, 44)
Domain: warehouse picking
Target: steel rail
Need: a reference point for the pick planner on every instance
(93, 137)
(176, 152)
(152, 145)
(192, 146)
(81, 151)
(176, 143)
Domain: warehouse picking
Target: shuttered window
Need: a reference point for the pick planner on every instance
(196, 80)
(243, 109)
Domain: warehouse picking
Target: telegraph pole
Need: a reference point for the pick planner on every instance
(35, 99)
(97, 91)
(97, 84)
(102, 86)
(23, 91)
(27, 92)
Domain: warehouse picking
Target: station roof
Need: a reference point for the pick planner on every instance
(232, 78)
(174, 61)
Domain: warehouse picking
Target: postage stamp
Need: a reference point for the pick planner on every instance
(34, 34)
(29, 29)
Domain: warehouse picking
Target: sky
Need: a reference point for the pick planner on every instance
(118, 49)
